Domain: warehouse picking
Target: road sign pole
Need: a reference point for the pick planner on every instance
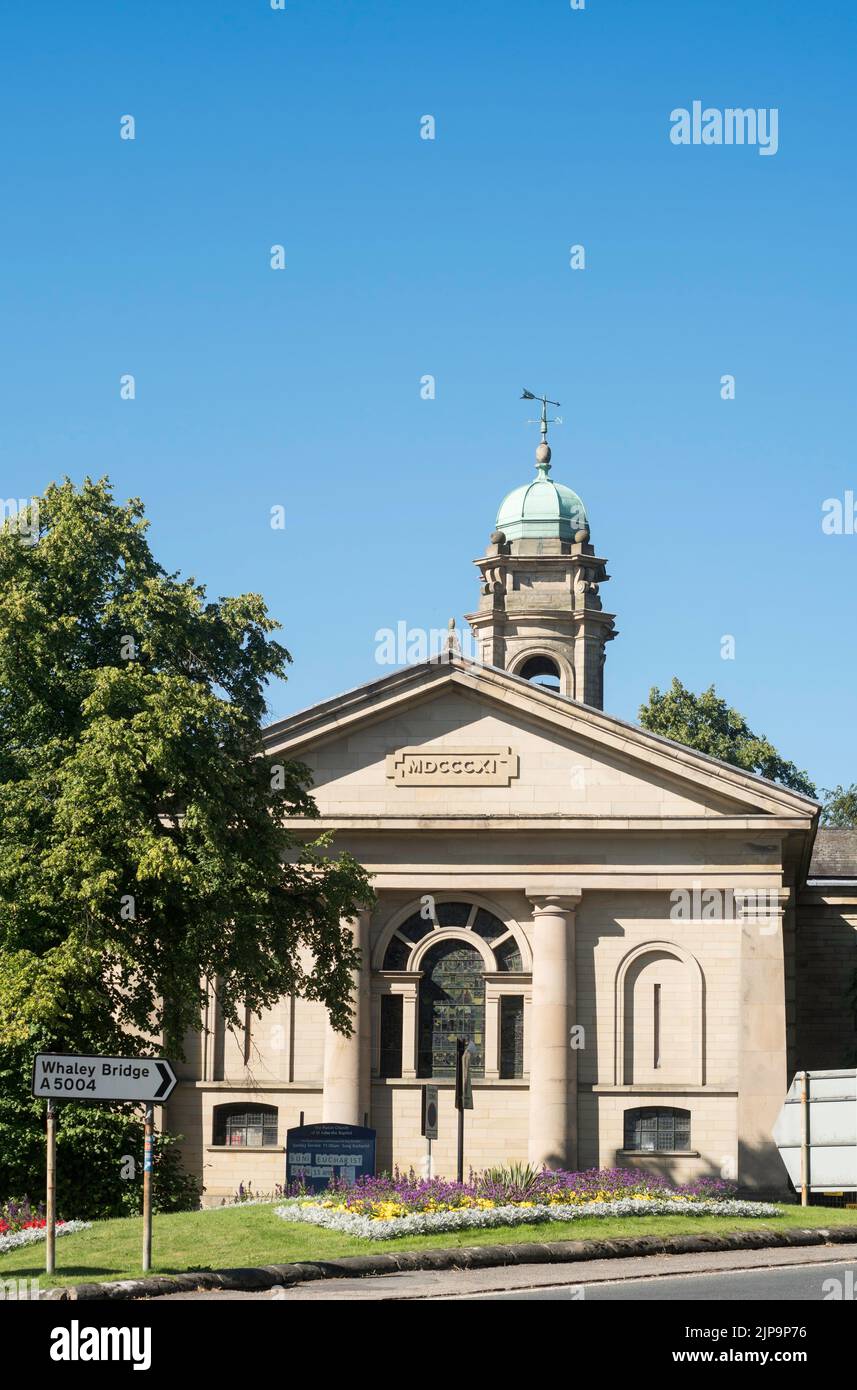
(51, 1193)
(804, 1139)
(148, 1146)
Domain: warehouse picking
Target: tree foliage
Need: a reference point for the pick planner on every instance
(840, 807)
(144, 837)
(708, 724)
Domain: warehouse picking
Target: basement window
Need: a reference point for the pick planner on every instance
(240, 1127)
(655, 1129)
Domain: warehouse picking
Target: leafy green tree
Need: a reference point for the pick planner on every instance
(144, 838)
(705, 722)
(840, 807)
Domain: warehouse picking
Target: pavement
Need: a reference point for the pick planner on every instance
(790, 1275)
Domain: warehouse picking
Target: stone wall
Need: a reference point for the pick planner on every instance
(825, 966)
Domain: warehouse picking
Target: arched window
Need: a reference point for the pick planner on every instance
(655, 1129)
(452, 952)
(541, 670)
(465, 916)
(245, 1126)
(451, 1006)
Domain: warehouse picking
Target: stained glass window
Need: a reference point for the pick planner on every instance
(653, 1128)
(511, 1035)
(240, 1127)
(451, 1006)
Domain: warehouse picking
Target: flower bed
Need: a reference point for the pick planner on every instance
(403, 1205)
(23, 1224)
(29, 1235)
(380, 1227)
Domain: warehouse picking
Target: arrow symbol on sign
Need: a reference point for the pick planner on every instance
(167, 1081)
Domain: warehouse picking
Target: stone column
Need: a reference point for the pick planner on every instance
(553, 1061)
(492, 1036)
(762, 1075)
(409, 1032)
(347, 1061)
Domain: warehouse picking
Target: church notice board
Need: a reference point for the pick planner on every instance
(317, 1153)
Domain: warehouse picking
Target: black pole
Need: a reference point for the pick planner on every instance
(460, 1044)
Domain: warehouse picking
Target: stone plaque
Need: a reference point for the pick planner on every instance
(452, 767)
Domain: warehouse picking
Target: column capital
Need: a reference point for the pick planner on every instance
(553, 899)
(761, 905)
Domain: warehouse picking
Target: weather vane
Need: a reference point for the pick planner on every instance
(544, 421)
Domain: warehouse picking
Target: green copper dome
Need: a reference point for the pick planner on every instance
(542, 509)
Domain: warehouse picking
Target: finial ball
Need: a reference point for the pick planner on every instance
(582, 536)
(543, 453)
(498, 537)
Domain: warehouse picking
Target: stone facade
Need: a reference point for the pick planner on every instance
(600, 859)
(629, 931)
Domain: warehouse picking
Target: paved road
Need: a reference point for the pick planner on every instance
(808, 1284)
(787, 1275)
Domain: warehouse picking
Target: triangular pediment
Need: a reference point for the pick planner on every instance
(457, 739)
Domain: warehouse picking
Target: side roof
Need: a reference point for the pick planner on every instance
(835, 854)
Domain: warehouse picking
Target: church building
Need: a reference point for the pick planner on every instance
(635, 936)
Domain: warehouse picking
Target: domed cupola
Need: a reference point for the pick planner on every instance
(543, 508)
(540, 614)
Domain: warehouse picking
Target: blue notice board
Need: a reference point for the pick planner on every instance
(317, 1153)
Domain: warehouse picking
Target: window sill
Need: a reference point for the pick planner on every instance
(446, 1084)
(655, 1088)
(245, 1148)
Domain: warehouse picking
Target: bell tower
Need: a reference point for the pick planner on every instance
(540, 613)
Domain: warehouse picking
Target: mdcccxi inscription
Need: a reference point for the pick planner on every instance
(452, 767)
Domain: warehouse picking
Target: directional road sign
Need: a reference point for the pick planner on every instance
(59, 1076)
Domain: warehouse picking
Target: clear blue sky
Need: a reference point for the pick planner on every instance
(450, 257)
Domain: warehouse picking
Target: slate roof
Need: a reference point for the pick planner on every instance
(834, 854)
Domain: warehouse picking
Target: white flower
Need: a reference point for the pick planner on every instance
(37, 1233)
(473, 1218)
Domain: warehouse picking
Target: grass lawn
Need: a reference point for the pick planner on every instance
(239, 1236)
